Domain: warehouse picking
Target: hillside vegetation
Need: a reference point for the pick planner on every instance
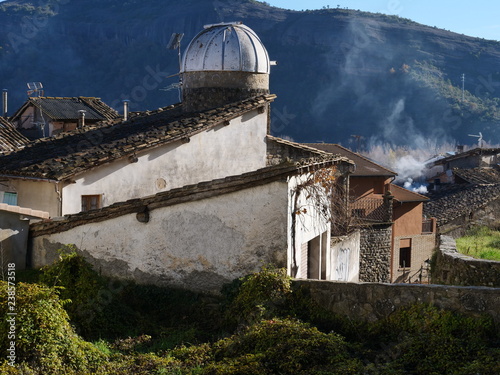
(340, 72)
(260, 325)
(480, 242)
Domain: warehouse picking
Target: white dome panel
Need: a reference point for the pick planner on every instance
(226, 47)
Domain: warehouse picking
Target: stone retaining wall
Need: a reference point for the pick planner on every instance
(374, 301)
(453, 268)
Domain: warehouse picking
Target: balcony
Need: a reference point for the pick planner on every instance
(429, 226)
(371, 210)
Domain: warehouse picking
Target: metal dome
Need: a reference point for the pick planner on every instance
(226, 47)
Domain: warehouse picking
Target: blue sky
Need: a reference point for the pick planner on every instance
(479, 18)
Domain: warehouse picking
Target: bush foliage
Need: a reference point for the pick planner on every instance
(262, 326)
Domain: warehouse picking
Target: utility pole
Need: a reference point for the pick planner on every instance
(463, 87)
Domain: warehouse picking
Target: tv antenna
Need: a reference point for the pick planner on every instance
(175, 44)
(480, 139)
(35, 89)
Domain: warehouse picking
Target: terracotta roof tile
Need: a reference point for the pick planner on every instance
(68, 154)
(473, 152)
(478, 175)
(453, 201)
(10, 138)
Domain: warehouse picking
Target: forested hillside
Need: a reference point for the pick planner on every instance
(340, 72)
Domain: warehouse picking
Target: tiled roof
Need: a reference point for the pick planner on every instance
(10, 138)
(473, 152)
(364, 166)
(202, 190)
(478, 175)
(451, 202)
(404, 195)
(68, 154)
(67, 108)
(24, 211)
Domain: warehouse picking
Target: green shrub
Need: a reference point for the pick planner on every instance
(282, 346)
(261, 295)
(81, 286)
(44, 339)
(423, 339)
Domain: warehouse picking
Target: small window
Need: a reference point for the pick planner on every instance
(10, 198)
(405, 257)
(91, 202)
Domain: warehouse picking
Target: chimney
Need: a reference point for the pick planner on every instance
(81, 118)
(125, 110)
(4, 101)
(460, 148)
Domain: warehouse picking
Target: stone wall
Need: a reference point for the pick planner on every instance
(453, 268)
(375, 254)
(371, 302)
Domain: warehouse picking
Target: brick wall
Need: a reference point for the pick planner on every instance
(422, 248)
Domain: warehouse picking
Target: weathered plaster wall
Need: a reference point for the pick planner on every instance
(199, 245)
(13, 239)
(422, 248)
(37, 195)
(453, 268)
(371, 302)
(223, 151)
(345, 257)
(375, 254)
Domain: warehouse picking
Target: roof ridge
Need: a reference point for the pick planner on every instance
(409, 191)
(357, 154)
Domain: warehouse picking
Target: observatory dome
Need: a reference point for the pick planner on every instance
(226, 47)
(223, 64)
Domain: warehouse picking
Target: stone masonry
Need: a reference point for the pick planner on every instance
(375, 254)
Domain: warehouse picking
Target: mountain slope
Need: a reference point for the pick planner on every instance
(340, 72)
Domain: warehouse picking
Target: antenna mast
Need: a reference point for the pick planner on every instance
(175, 43)
(479, 139)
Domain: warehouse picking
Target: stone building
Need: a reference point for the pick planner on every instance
(395, 238)
(42, 117)
(193, 194)
(466, 191)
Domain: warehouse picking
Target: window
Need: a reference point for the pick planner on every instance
(91, 202)
(405, 257)
(10, 198)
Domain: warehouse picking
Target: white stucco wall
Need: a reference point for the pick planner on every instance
(345, 258)
(223, 151)
(197, 245)
(309, 224)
